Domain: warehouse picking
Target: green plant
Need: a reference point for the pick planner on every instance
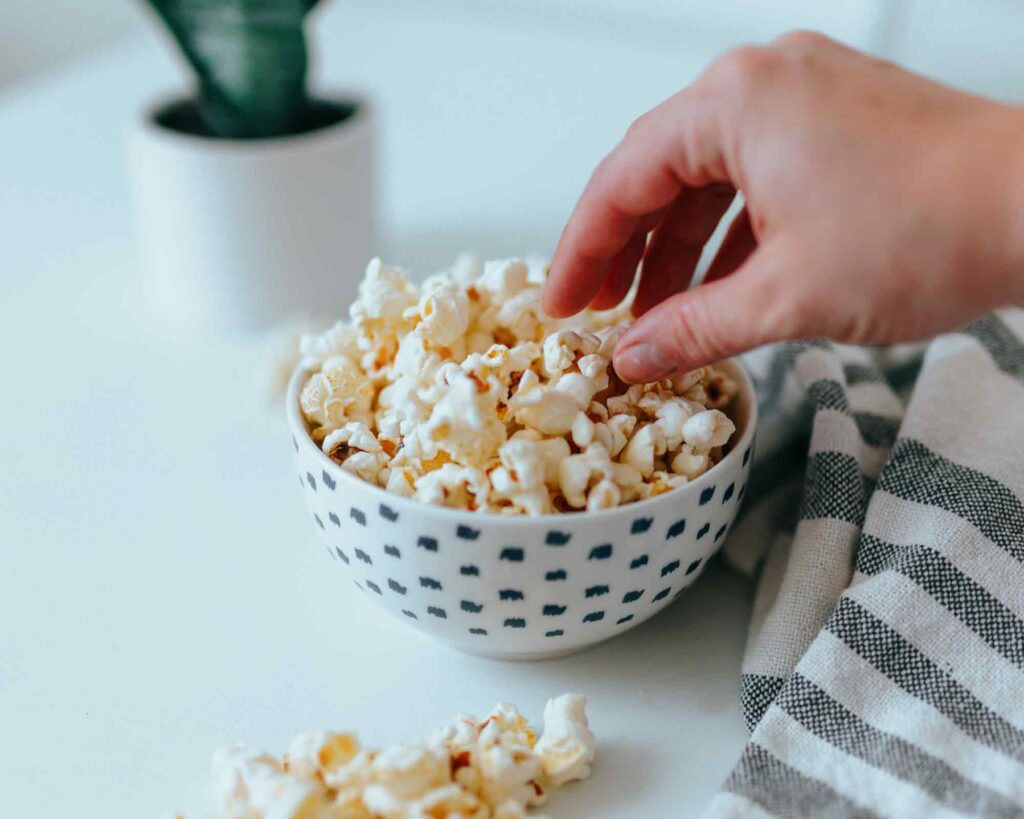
(250, 60)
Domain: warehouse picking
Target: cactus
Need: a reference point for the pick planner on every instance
(249, 58)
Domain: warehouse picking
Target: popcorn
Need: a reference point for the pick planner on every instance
(464, 423)
(460, 487)
(252, 784)
(647, 444)
(461, 392)
(466, 269)
(578, 474)
(546, 409)
(508, 766)
(567, 747)
(561, 349)
(499, 364)
(521, 315)
(356, 449)
(341, 339)
(321, 753)
(510, 772)
(707, 430)
(506, 724)
(513, 810)
(505, 279)
(384, 295)
(445, 801)
(442, 315)
(615, 432)
(682, 382)
(405, 771)
(605, 495)
(689, 463)
(672, 414)
(578, 387)
(401, 481)
(469, 769)
(627, 403)
(595, 368)
(532, 460)
(609, 338)
(662, 481)
(719, 389)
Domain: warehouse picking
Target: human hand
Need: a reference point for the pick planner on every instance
(880, 207)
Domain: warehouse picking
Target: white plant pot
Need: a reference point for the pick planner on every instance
(237, 234)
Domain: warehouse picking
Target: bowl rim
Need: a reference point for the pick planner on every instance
(145, 127)
(302, 439)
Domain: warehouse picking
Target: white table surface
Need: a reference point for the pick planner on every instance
(162, 591)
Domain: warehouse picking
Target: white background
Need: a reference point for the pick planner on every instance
(975, 43)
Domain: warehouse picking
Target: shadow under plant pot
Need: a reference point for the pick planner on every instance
(235, 234)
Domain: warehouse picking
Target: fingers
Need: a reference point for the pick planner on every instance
(738, 244)
(677, 243)
(621, 272)
(672, 145)
(731, 315)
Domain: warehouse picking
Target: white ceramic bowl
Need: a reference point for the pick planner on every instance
(523, 587)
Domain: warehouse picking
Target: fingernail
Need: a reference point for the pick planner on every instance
(643, 362)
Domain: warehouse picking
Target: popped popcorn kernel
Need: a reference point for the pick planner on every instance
(320, 753)
(494, 768)
(707, 430)
(461, 392)
(567, 746)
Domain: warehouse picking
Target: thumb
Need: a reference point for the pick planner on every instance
(755, 305)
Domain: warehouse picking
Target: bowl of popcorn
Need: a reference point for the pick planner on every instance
(477, 468)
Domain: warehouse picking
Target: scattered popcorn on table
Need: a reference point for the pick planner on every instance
(462, 393)
(496, 768)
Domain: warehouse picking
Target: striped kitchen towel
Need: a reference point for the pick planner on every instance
(884, 670)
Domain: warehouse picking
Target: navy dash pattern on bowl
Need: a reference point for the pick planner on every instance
(640, 525)
(505, 589)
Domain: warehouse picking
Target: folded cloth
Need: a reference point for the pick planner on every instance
(884, 670)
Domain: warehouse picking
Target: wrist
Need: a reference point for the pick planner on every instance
(1015, 208)
(984, 157)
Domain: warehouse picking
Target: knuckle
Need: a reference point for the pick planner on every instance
(638, 126)
(787, 312)
(800, 316)
(601, 176)
(744, 70)
(801, 40)
(694, 332)
(852, 327)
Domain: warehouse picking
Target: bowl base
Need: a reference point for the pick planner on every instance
(520, 656)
